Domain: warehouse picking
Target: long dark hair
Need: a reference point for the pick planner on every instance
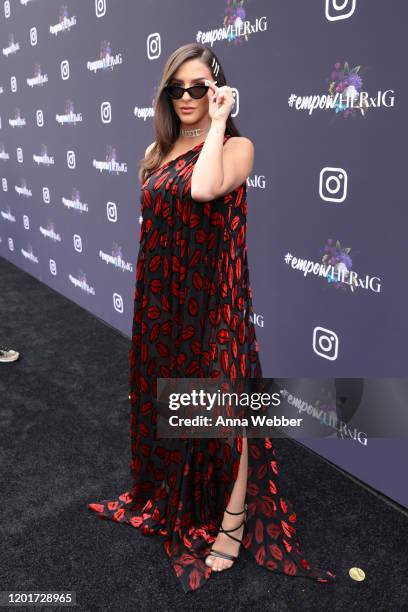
(166, 122)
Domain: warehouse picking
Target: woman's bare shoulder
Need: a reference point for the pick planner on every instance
(239, 141)
(149, 147)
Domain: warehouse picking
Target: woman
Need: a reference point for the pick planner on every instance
(193, 304)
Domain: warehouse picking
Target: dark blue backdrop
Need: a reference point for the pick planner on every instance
(77, 86)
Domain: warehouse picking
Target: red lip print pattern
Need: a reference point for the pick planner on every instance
(192, 308)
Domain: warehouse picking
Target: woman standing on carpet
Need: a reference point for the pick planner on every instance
(193, 304)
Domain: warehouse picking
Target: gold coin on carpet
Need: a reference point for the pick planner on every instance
(356, 573)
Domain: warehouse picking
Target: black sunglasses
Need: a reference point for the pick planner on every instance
(195, 91)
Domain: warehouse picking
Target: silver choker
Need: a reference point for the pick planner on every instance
(194, 132)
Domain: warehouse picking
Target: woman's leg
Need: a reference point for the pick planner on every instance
(223, 543)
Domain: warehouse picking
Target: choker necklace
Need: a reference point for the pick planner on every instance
(194, 132)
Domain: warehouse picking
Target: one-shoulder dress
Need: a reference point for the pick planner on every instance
(192, 318)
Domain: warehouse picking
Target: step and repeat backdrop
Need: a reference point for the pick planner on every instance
(319, 88)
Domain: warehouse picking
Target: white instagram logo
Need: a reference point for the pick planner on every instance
(53, 267)
(118, 302)
(77, 243)
(13, 83)
(235, 108)
(46, 195)
(325, 343)
(106, 112)
(71, 159)
(334, 8)
(26, 222)
(7, 9)
(111, 212)
(333, 184)
(153, 45)
(100, 8)
(20, 155)
(33, 36)
(40, 117)
(64, 70)
(4, 184)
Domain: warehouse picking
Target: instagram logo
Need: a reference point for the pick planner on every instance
(339, 9)
(100, 8)
(106, 112)
(46, 195)
(40, 117)
(13, 83)
(235, 108)
(71, 159)
(325, 343)
(333, 184)
(118, 302)
(77, 243)
(153, 46)
(111, 212)
(64, 70)
(53, 267)
(33, 36)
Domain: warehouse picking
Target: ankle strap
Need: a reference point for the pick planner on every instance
(228, 531)
(235, 513)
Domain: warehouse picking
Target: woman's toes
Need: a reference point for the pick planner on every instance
(221, 564)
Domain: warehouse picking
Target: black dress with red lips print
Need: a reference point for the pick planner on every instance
(192, 318)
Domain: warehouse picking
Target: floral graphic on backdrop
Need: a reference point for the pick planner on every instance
(235, 15)
(338, 258)
(347, 83)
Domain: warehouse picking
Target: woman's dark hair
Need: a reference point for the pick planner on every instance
(166, 122)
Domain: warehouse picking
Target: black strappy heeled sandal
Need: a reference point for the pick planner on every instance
(218, 553)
